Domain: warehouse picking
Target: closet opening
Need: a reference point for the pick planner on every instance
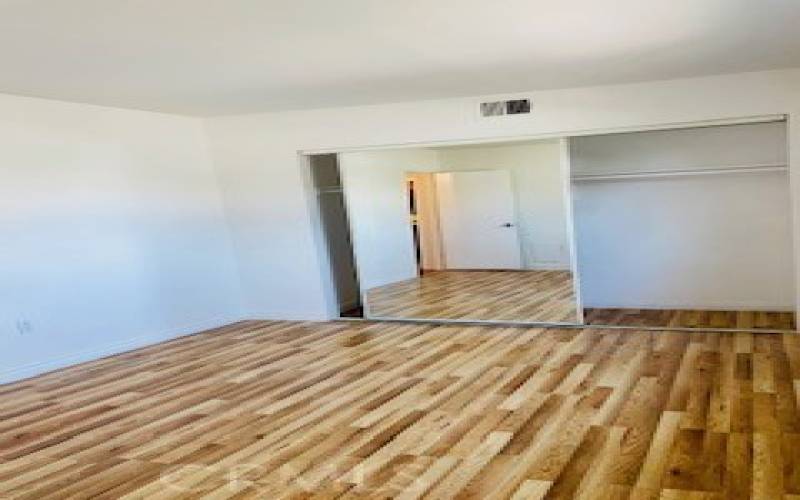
(685, 228)
(335, 231)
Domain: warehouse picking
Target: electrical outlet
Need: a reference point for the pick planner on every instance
(24, 327)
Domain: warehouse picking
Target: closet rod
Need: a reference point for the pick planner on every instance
(681, 173)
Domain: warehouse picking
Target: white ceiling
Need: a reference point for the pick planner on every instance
(209, 57)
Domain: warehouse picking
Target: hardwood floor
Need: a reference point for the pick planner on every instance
(747, 320)
(541, 296)
(370, 410)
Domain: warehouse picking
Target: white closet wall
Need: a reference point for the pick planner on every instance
(711, 241)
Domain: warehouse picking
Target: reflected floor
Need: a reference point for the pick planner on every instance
(540, 296)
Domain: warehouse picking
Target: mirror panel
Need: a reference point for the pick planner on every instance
(467, 233)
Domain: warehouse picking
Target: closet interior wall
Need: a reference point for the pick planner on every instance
(695, 218)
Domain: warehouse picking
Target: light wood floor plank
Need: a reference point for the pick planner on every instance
(389, 410)
(538, 296)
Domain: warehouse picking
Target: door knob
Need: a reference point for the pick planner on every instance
(507, 224)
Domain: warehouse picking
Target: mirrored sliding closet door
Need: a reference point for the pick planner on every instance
(464, 233)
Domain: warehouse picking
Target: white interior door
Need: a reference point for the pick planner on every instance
(476, 212)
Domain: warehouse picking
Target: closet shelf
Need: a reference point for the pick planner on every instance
(739, 169)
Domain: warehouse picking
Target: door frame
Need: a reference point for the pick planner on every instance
(428, 224)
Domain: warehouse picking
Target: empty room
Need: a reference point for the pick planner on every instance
(438, 249)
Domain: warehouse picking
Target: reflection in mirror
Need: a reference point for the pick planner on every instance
(471, 233)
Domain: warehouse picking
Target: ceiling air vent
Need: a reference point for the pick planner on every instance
(502, 108)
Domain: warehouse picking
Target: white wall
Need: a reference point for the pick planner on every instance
(113, 233)
(377, 202)
(538, 195)
(741, 145)
(720, 241)
(711, 242)
(262, 181)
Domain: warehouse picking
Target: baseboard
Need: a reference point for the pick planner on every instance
(15, 374)
(537, 267)
(547, 266)
(316, 316)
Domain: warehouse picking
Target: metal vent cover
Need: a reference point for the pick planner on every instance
(494, 108)
(503, 108)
